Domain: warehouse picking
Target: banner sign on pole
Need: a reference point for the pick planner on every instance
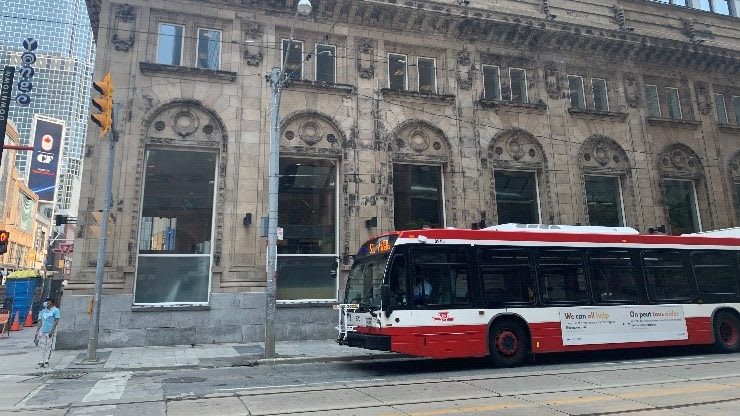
(6, 90)
(28, 58)
(47, 144)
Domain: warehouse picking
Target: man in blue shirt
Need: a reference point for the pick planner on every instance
(48, 320)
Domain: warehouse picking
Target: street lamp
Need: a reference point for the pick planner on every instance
(277, 80)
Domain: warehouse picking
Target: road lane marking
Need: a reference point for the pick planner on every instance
(31, 395)
(109, 388)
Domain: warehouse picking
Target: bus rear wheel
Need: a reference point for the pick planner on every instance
(726, 332)
(508, 343)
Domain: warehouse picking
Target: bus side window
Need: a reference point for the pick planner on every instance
(563, 276)
(398, 280)
(612, 277)
(439, 276)
(714, 271)
(506, 276)
(665, 275)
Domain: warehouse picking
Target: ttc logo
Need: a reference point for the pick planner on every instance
(443, 317)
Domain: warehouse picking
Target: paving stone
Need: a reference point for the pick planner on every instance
(222, 406)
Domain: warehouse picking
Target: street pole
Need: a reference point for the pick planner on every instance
(276, 80)
(272, 211)
(92, 343)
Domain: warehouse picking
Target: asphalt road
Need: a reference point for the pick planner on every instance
(676, 381)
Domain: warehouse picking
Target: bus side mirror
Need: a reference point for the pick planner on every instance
(385, 298)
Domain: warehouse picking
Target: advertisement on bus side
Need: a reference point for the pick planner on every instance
(618, 324)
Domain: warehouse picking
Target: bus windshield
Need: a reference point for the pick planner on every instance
(365, 278)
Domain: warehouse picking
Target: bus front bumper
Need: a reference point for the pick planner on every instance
(368, 341)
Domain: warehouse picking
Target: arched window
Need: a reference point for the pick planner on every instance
(681, 174)
(606, 177)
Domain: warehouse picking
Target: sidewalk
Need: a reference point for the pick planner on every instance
(18, 356)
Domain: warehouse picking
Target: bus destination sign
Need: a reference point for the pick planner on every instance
(380, 245)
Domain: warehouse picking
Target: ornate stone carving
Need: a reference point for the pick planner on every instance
(702, 97)
(552, 81)
(253, 59)
(252, 49)
(621, 20)
(416, 138)
(546, 10)
(515, 148)
(735, 168)
(310, 132)
(603, 154)
(365, 58)
(124, 28)
(312, 129)
(690, 31)
(679, 161)
(184, 122)
(631, 90)
(465, 70)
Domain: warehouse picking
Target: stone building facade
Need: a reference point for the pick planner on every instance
(398, 115)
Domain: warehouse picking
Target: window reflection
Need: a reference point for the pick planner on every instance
(417, 196)
(516, 197)
(175, 227)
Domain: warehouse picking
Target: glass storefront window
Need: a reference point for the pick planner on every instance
(516, 197)
(307, 254)
(681, 204)
(417, 196)
(604, 201)
(176, 227)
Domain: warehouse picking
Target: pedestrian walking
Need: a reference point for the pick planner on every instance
(46, 331)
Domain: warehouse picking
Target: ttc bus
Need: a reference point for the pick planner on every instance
(512, 290)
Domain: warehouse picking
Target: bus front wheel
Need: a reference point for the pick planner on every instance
(726, 332)
(508, 343)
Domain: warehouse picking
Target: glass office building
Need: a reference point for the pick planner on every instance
(61, 84)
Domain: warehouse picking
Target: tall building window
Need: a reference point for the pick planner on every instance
(577, 99)
(326, 63)
(307, 213)
(176, 227)
(417, 196)
(397, 72)
(491, 82)
(736, 106)
(294, 59)
(604, 201)
(169, 44)
(653, 103)
(719, 102)
(518, 79)
(209, 49)
(601, 97)
(516, 197)
(683, 213)
(427, 75)
(673, 102)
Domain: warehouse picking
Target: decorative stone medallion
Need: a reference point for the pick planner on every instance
(515, 148)
(185, 123)
(418, 140)
(310, 133)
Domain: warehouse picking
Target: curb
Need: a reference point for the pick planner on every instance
(224, 362)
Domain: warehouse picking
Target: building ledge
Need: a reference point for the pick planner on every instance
(729, 128)
(179, 308)
(597, 114)
(539, 106)
(673, 122)
(148, 68)
(304, 84)
(418, 96)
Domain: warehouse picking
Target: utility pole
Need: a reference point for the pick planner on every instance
(277, 80)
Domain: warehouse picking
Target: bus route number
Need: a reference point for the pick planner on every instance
(381, 247)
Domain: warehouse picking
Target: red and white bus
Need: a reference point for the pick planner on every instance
(508, 291)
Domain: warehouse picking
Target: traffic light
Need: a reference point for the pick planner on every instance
(104, 118)
(4, 237)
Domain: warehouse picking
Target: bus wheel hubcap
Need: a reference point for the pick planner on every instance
(507, 343)
(728, 333)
